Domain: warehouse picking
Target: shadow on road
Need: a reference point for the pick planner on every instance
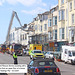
(3, 74)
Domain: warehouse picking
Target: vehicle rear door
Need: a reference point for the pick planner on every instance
(47, 67)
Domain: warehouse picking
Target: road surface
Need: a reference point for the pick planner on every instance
(66, 69)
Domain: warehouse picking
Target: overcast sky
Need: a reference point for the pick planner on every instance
(26, 10)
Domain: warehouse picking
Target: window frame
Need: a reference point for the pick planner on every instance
(61, 14)
(50, 22)
(41, 28)
(72, 16)
(74, 4)
(25, 36)
(54, 20)
(65, 51)
(62, 2)
(61, 33)
(50, 35)
(45, 27)
(70, 6)
(72, 36)
(54, 34)
(36, 27)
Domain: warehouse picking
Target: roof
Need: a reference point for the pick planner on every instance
(45, 13)
(36, 50)
(41, 59)
(54, 8)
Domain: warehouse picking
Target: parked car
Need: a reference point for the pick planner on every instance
(49, 55)
(43, 67)
(36, 54)
(24, 51)
(44, 52)
(27, 52)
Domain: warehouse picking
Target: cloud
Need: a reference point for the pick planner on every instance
(1, 2)
(31, 2)
(35, 11)
(12, 1)
(24, 2)
(27, 3)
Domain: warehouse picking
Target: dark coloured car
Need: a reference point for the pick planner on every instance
(43, 67)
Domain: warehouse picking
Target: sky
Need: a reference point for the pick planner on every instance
(26, 11)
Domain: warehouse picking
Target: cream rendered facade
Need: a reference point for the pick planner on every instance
(53, 24)
(56, 25)
(40, 22)
(71, 7)
(65, 25)
(69, 20)
(50, 29)
(63, 20)
(41, 27)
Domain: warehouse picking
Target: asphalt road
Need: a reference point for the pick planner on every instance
(66, 69)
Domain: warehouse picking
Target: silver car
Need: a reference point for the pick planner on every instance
(49, 55)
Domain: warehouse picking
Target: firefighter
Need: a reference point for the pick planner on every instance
(15, 58)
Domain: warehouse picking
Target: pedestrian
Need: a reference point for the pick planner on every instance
(15, 58)
(24, 51)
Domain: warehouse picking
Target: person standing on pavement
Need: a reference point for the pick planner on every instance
(15, 58)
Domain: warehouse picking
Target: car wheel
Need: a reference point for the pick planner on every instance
(45, 57)
(71, 62)
(23, 54)
(32, 74)
(49, 57)
(30, 57)
(65, 62)
(25, 73)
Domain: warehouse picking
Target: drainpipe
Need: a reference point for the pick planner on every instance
(67, 34)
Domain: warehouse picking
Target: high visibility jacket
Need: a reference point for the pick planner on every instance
(15, 56)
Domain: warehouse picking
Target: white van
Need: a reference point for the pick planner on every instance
(68, 54)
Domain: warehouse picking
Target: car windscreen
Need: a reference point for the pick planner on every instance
(73, 53)
(25, 50)
(46, 63)
(18, 47)
(51, 53)
(44, 52)
(37, 51)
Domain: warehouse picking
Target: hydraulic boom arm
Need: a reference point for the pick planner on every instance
(10, 25)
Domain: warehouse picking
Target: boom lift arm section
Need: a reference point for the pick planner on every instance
(7, 38)
(10, 25)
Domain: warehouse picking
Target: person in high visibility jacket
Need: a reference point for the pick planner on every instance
(15, 58)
